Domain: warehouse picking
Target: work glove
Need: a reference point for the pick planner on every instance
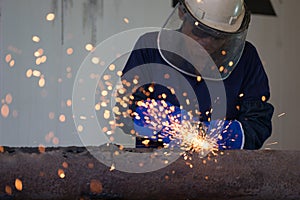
(155, 120)
(229, 133)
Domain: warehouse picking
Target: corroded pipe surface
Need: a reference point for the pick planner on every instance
(73, 173)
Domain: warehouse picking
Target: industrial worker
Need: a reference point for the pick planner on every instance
(203, 41)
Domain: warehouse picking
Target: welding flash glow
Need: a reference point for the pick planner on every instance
(185, 133)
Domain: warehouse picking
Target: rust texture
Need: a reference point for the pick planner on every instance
(73, 173)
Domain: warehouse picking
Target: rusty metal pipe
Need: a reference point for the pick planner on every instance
(73, 173)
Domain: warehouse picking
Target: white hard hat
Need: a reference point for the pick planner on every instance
(224, 15)
(205, 37)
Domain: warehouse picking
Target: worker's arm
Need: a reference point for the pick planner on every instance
(255, 117)
(255, 113)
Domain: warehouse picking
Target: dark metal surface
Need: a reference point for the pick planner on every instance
(234, 175)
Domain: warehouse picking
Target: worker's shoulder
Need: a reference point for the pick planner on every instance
(250, 49)
(147, 40)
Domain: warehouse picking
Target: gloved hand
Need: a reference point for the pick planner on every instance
(153, 120)
(229, 134)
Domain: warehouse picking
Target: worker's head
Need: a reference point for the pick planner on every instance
(217, 26)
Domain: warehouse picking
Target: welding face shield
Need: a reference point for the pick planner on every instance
(203, 43)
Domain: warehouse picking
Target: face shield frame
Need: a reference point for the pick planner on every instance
(225, 55)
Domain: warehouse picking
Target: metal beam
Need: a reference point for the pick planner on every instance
(72, 173)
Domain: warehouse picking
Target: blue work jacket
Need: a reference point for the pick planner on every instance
(246, 89)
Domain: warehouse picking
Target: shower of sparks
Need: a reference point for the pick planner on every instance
(194, 139)
(185, 134)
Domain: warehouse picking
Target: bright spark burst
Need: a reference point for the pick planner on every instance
(194, 139)
(186, 134)
(163, 119)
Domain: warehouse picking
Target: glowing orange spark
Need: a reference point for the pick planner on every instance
(8, 58)
(61, 173)
(62, 118)
(8, 98)
(126, 20)
(12, 63)
(29, 73)
(1, 149)
(89, 47)
(5, 110)
(65, 165)
(50, 17)
(55, 141)
(70, 51)
(96, 186)
(79, 128)
(35, 38)
(8, 190)
(112, 167)
(91, 165)
(18, 184)
(42, 148)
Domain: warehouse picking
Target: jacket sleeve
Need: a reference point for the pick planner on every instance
(255, 112)
(255, 117)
